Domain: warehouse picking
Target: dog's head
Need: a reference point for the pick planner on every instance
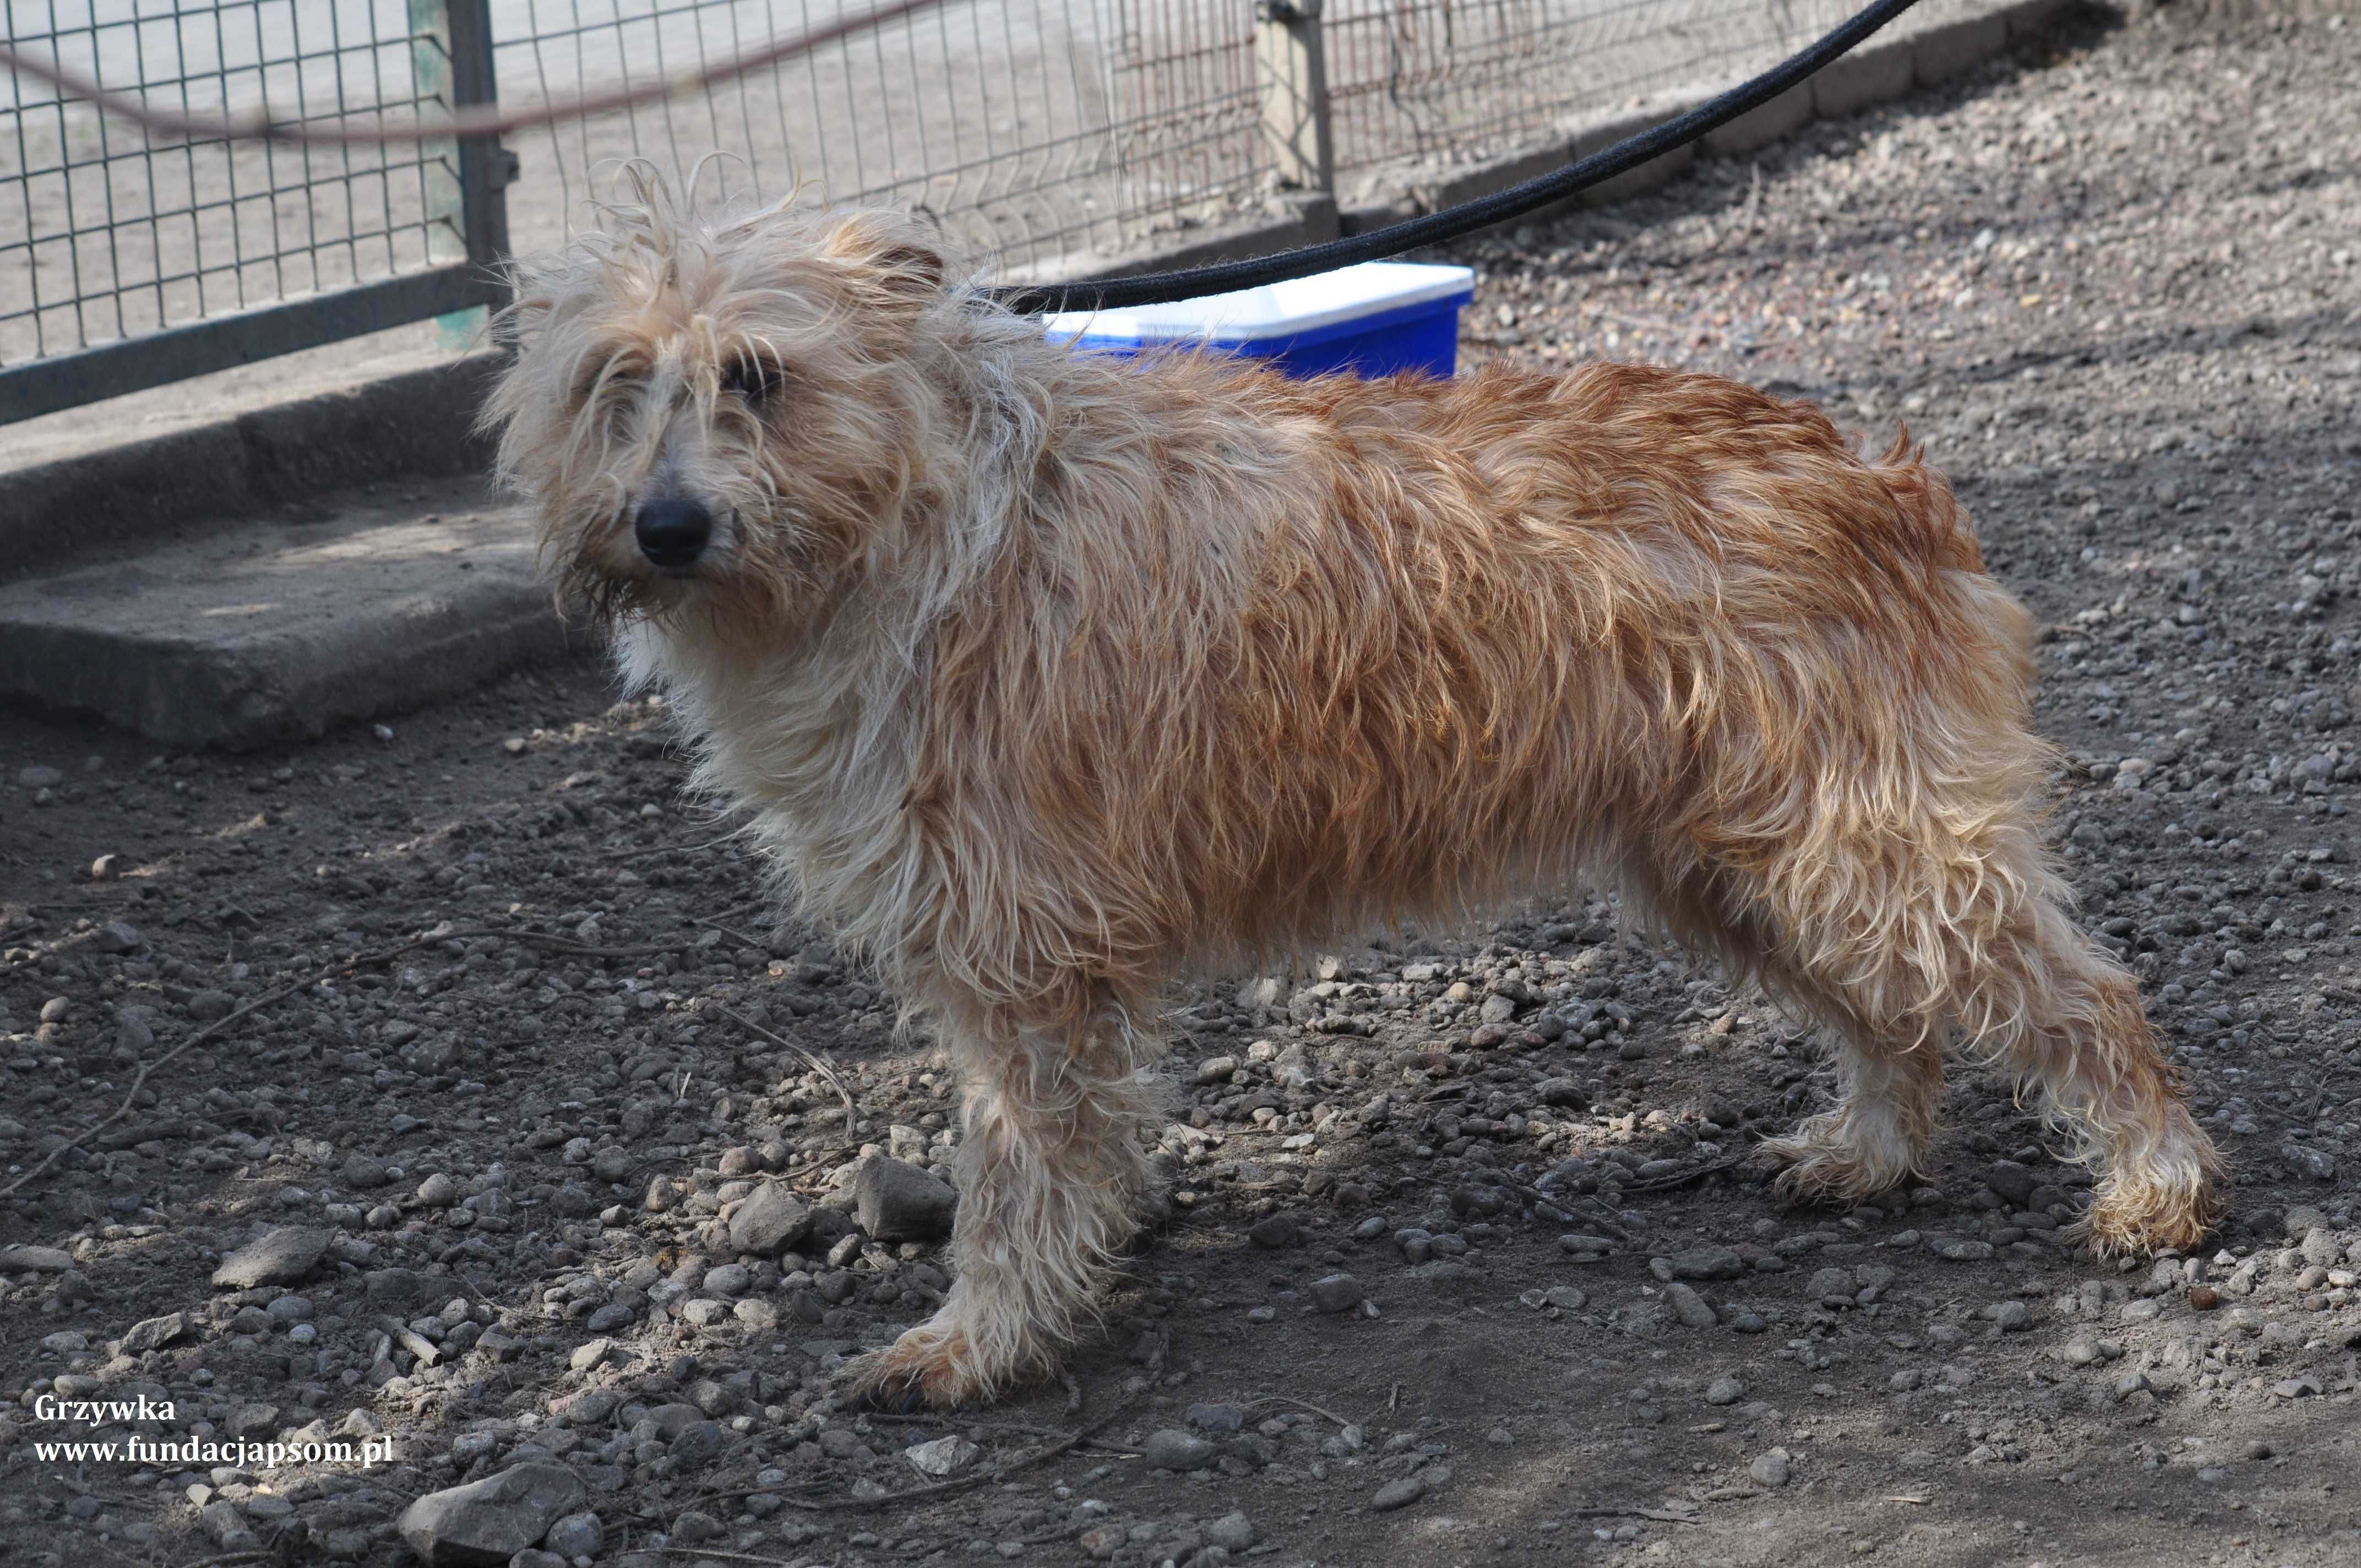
(719, 418)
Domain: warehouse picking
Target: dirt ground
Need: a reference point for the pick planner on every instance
(523, 1032)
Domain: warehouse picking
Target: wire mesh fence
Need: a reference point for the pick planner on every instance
(1451, 80)
(1041, 133)
(974, 113)
(105, 234)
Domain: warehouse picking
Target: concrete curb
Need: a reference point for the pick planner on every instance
(271, 630)
(411, 426)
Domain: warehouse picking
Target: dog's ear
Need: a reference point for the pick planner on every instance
(889, 264)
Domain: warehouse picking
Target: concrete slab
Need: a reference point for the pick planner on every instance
(1758, 128)
(1878, 72)
(265, 631)
(1941, 53)
(1600, 134)
(112, 493)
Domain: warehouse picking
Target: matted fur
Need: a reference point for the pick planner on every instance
(1047, 676)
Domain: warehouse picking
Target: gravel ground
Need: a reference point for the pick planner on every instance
(1463, 1263)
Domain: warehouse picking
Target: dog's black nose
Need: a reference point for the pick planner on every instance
(673, 532)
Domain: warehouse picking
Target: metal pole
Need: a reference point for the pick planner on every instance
(1292, 71)
(485, 168)
(466, 181)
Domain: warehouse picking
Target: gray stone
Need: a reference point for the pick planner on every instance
(228, 1528)
(1217, 1418)
(2300, 1221)
(1724, 1390)
(281, 1257)
(135, 1030)
(1771, 1467)
(699, 1443)
(34, 1260)
(1954, 1249)
(365, 1171)
(485, 1522)
(154, 1334)
(210, 1006)
(1707, 1263)
(1336, 1293)
(1172, 1449)
(943, 1456)
(1688, 1307)
(610, 1319)
(1274, 1232)
(1232, 1532)
(2012, 1181)
(34, 775)
(588, 1408)
(898, 1203)
(2305, 1160)
(769, 1222)
(437, 1191)
(576, 1535)
(1831, 1285)
(1397, 1493)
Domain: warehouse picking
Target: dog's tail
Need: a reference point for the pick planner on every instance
(1930, 512)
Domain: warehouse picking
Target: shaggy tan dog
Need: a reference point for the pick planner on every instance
(1047, 676)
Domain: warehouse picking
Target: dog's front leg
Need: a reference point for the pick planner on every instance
(1052, 1168)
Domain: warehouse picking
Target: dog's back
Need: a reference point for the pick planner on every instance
(1325, 652)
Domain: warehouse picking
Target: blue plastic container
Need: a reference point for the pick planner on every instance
(1372, 320)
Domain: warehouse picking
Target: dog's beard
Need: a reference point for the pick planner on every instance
(594, 591)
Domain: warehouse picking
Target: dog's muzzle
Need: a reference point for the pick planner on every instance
(673, 532)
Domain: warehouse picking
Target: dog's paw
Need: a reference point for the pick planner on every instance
(1812, 1171)
(2139, 1222)
(927, 1368)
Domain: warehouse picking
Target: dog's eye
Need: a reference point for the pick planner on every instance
(752, 379)
(601, 377)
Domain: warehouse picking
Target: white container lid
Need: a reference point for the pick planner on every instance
(1275, 310)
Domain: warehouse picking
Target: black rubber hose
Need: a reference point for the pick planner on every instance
(1433, 228)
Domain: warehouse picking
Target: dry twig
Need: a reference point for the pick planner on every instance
(852, 1115)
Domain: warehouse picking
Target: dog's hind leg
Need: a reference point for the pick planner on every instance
(1923, 905)
(1878, 1134)
(1052, 1168)
(2066, 1018)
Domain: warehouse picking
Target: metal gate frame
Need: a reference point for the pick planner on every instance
(453, 48)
